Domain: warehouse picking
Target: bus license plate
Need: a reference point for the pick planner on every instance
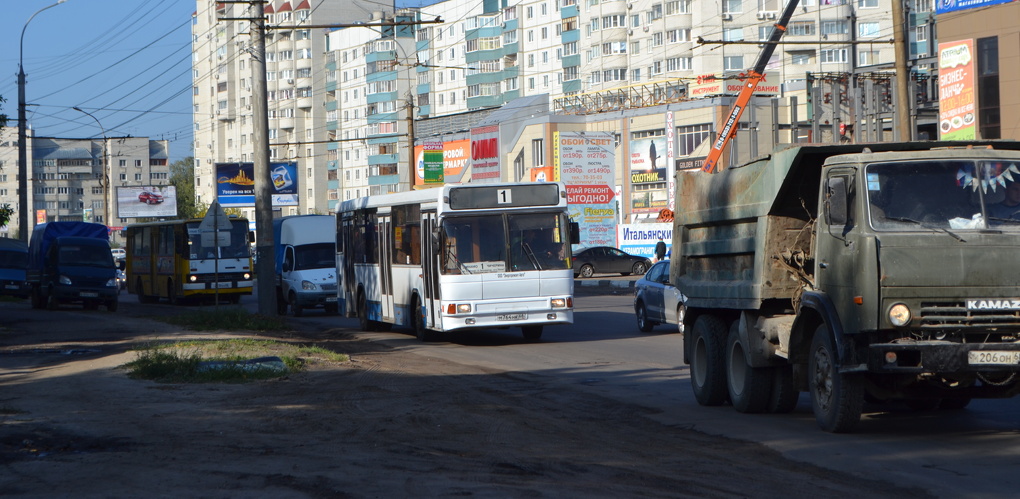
(88, 294)
(511, 317)
(224, 285)
(993, 357)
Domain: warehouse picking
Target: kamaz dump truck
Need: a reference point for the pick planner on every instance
(883, 272)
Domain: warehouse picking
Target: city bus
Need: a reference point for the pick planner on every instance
(458, 257)
(167, 260)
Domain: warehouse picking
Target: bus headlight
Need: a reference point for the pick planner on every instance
(899, 315)
(562, 302)
(458, 308)
(192, 278)
(247, 276)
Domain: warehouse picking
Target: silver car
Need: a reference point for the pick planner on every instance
(656, 301)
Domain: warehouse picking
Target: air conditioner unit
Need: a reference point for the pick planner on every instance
(290, 81)
(772, 15)
(727, 17)
(630, 6)
(630, 32)
(761, 16)
(646, 29)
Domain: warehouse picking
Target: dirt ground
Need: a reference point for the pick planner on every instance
(386, 424)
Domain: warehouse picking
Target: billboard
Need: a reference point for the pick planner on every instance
(455, 158)
(956, 91)
(146, 201)
(944, 6)
(485, 154)
(235, 184)
(648, 161)
(587, 165)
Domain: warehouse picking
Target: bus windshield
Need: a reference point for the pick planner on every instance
(500, 243)
(238, 247)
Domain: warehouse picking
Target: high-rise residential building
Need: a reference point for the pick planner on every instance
(222, 90)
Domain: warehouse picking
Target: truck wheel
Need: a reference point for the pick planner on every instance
(532, 333)
(708, 370)
(295, 309)
(643, 324)
(837, 399)
(749, 387)
(783, 397)
(51, 301)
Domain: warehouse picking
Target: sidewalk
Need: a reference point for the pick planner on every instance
(618, 285)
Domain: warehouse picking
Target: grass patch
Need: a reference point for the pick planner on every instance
(226, 318)
(182, 362)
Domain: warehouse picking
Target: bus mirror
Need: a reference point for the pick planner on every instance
(575, 233)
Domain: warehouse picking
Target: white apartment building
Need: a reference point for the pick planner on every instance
(222, 88)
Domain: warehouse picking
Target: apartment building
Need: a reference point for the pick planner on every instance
(222, 91)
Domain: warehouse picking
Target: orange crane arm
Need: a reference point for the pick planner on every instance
(729, 127)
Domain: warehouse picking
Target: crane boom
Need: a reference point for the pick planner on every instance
(757, 74)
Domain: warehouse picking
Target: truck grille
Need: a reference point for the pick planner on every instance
(956, 315)
(328, 286)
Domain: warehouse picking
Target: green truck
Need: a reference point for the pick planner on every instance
(886, 272)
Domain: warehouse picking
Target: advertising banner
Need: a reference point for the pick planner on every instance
(147, 201)
(944, 6)
(710, 87)
(640, 239)
(455, 157)
(648, 160)
(587, 162)
(235, 184)
(956, 91)
(485, 154)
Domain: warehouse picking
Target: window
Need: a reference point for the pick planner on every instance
(867, 30)
(921, 32)
(733, 62)
(733, 34)
(690, 137)
(800, 58)
(802, 28)
(867, 4)
(678, 35)
(732, 6)
(867, 57)
(989, 112)
(538, 152)
(657, 39)
(833, 56)
(678, 64)
(835, 28)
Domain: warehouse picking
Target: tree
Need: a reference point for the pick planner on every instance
(6, 212)
(182, 177)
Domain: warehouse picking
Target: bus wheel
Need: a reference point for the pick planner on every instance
(531, 333)
(418, 322)
(295, 309)
(366, 325)
(171, 293)
(836, 398)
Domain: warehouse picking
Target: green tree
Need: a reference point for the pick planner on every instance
(6, 212)
(182, 177)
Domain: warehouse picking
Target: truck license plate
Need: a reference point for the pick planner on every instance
(88, 294)
(511, 317)
(330, 299)
(11, 286)
(993, 357)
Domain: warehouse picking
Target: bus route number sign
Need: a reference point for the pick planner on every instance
(504, 196)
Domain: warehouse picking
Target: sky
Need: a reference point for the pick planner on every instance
(127, 62)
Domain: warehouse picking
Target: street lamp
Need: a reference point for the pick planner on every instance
(104, 180)
(22, 135)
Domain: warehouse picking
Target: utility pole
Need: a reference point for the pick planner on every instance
(410, 141)
(265, 267)
(902, 98)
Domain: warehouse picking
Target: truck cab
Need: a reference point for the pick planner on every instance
(70, 262)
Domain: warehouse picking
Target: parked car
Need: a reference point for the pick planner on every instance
(118, 253)
(656, 301)
(149, 197)
(607, 260)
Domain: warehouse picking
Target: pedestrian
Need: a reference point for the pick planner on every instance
(660, 250)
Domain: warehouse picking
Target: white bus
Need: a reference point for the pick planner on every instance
(458, 257)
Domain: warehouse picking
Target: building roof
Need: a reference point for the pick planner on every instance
(158, 150)
(62, 153)
(285, 7)
(304, 5)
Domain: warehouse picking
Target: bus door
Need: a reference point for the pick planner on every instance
(385, 268)
(430, 268)
(347, 291)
